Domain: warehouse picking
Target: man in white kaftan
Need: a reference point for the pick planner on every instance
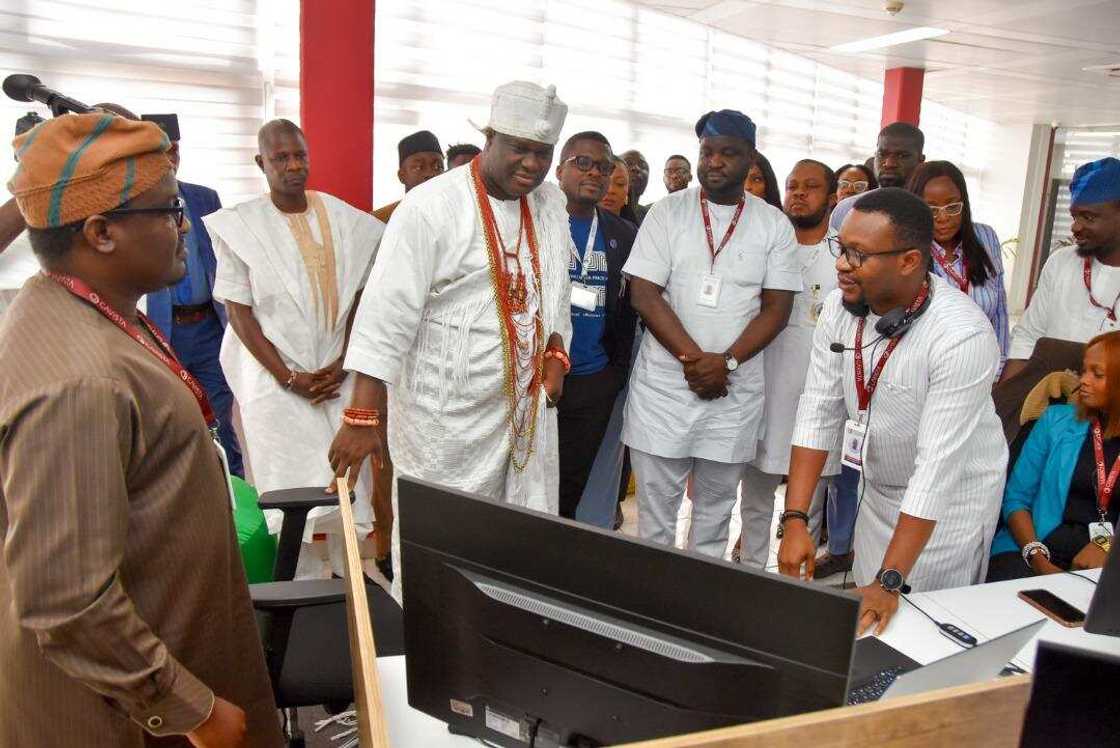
(429, 336)
(297, 275)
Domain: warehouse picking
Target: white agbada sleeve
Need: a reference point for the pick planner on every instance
(389, 314)
(231, 278)
(1032, 326)
(821, 411)
(958, 399)
(650, 257)
(783, 269)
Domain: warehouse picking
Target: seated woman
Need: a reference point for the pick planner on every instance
(1058, 509)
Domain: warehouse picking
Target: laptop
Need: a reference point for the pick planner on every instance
(979, 663)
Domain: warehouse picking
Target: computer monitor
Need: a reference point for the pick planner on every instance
(1073, 699)
(524, 628)
(1104, 609)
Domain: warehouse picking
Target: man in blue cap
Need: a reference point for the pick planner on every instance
(713, 273)
(1078, 294)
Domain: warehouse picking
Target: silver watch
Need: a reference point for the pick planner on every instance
(1032, 548)
(730, 361)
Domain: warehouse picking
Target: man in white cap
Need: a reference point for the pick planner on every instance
(462, 337)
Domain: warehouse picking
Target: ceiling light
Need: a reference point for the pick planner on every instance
(889, 40)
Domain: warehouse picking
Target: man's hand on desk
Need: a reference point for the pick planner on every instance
(877, 606)
(1092, 556)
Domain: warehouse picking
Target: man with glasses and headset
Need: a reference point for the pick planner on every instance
(603, 322)
(900, 376)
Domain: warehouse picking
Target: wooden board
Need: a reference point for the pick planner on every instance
(372, 730)
(982, 714)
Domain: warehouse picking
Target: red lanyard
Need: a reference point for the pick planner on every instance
(865, 391)
(708, 226)
(1104, 485)
(1088, 274)
(958, 278)
(163, 352)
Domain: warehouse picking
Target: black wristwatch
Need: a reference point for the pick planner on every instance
(892, 580)
(790, 514)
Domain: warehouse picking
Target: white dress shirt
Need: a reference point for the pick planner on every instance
(1060, 307)
(935, 449)
(663, 416)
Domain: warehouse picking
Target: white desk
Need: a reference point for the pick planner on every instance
(990, 610)
(985, 611)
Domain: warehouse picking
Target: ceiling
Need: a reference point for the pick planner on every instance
(1011, 61)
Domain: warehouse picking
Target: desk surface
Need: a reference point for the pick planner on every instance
(985, 611)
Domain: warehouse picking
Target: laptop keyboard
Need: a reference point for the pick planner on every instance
(873, 689)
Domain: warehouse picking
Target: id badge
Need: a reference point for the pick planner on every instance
(709, 290)
(1100, 530)
(584, 297)
(1107, 325)
(855, 442)
(224, 459)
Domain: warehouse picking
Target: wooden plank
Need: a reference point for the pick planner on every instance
(372, 730)
(981, 714)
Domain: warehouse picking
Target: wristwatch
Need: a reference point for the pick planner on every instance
(730, 361)
(892, 580)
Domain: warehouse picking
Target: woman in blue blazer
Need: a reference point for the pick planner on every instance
(1058, 514)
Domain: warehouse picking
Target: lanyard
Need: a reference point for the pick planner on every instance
(163, 352)
(708, 226)
(1088, 275)
(587, 249)
(1105, 486)
(961, 279)
(865, 391)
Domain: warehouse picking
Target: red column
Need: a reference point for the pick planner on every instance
(336, 96)
(902, 95)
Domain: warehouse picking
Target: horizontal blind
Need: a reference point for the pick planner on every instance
(222, 65)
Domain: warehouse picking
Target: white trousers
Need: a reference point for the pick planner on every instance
(661, 484)
(757, 511)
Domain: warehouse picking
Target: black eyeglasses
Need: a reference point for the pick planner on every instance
(854, 257)
(177, 209)
(586, 163)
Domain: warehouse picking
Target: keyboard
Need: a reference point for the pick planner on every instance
(873, 689)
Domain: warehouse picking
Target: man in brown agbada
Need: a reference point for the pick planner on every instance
(125, 618)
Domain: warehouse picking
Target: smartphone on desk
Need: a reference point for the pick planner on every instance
(1054, 607)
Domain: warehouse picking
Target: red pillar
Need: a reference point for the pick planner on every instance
(336, 96)
(902, 95)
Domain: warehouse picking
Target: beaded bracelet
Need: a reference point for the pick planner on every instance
(361, 422)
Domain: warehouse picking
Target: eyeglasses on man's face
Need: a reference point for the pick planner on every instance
(586, 164)
(177, 210)
(855, 257)
(858, 186)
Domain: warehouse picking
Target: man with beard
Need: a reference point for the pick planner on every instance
(713, 275)
(901, 368)
(898, 152)
(463, 336)
(810, 196)
(1079, 289)
(678, 174)
(638, 167)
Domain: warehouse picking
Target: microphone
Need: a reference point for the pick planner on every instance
(837, 347)
(22, 87)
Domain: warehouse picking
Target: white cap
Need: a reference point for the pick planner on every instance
(526, 110)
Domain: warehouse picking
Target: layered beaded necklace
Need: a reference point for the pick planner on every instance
(522, 331)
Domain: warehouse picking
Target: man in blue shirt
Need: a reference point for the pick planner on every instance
(187, 314)
(603, 322)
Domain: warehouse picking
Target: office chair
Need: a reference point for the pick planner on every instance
(303, 622)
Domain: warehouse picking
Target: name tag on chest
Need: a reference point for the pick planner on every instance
(710, 286)
(584, 298)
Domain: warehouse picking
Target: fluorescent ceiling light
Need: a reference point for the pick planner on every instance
(889, 40)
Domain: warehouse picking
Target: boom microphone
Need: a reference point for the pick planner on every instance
(22, 87)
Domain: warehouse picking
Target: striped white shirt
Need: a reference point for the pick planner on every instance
(935, 449)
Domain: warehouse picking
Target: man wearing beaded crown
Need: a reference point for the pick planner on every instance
(291, 267)
(463, 336)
